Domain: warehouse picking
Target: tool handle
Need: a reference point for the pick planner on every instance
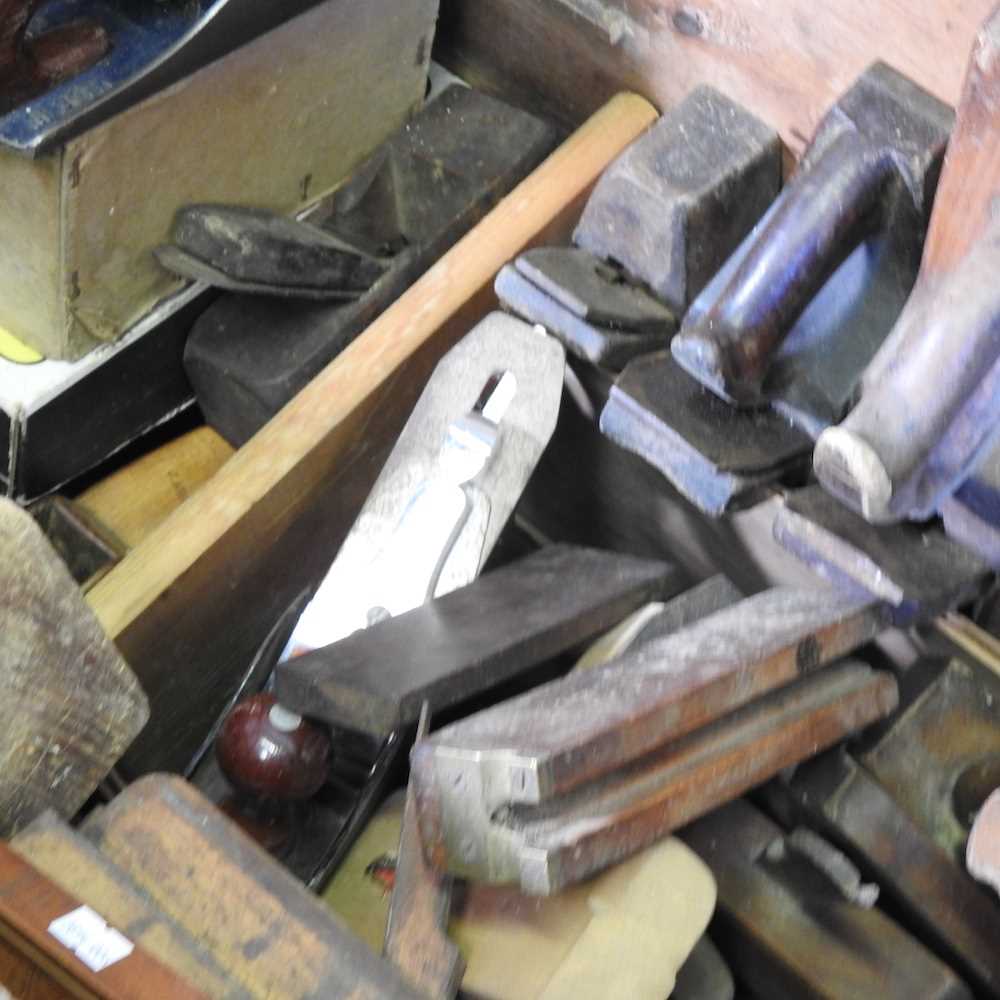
(928, 409)
(826, 211)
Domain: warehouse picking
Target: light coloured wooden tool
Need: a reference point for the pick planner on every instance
(225, 564)
(69, 704)
(137, 498)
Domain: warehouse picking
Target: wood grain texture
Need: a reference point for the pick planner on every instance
(69, 704)
(228, 561)
(29, 902)
(254, 918)
(78, 868)
(970, 179)
(135, 499)
(785, 61)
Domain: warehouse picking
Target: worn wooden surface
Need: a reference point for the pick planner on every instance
(572, 730)
(785, 61)
(69, 704)
(35, 966)
(246, 910)
(224, 565)
(970, 178)
(598, 824)
(78, 868)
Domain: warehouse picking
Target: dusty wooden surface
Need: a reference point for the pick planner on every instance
(785, 61)
(69, 704)
(222, 567)
(78, 868)
(245, 909)
(35, 966)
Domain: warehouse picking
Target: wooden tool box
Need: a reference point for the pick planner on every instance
(195, 597)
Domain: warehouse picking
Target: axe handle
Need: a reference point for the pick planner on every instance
(826, 211)
(928, 408)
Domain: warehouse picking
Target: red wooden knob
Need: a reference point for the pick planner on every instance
(269, 752)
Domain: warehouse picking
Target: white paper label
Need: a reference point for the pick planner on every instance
(89, 937)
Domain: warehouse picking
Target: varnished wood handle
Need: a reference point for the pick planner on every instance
(928, 408)
(818, 220)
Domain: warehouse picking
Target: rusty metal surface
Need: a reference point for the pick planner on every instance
(916, 568)
(871, 166)
(941, 758)
(549, 846)
(674, 205)
(416, 939)
(927, 887)
(789, 932)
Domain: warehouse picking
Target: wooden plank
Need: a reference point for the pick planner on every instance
(257, 921)
(69, 705)
(76, 866)
(29, 902)
(216, 573)
(786, 61)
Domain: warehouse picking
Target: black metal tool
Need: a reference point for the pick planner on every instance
(871, 168)
(662, 219)
(679, 200)
(914, 567)
(941, 904)
(805, 301)
(792, 924)
(251, 250)
(248, 355)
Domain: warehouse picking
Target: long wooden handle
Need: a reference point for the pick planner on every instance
(235, 553)
(928, 410)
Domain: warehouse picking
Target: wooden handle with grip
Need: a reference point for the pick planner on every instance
(928, 406)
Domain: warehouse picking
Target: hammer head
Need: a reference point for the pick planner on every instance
(892, 113)
(677, 202)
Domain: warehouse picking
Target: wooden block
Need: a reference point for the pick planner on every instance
(78, 868)
(254, 918)
(786, 62)
(224, 565)
(69, 704)
(76, 267)
(36, 966)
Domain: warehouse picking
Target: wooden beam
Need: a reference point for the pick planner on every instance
(786, 61)
(189, 605)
